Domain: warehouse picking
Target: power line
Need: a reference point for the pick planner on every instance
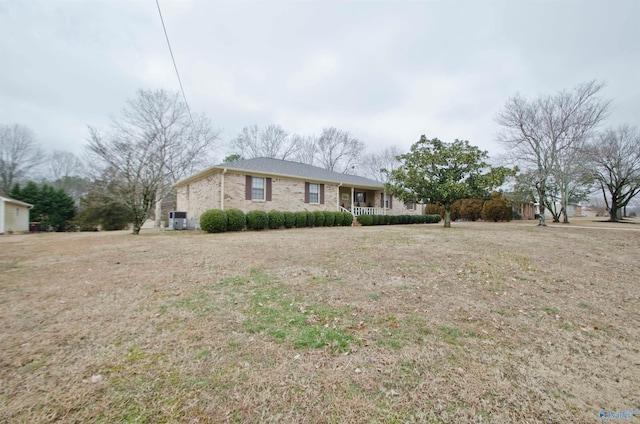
(174, 62)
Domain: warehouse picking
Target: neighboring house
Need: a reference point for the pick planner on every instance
(14, 215)
(266, 184)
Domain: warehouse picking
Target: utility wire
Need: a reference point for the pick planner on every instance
(174, 62)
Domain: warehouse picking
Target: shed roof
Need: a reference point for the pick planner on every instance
(279, 167)
(17, 202)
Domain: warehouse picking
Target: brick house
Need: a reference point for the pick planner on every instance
(266, 184)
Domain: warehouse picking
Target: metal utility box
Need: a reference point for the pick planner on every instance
(177, 220)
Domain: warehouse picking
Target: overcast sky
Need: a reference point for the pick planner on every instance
(386, 71)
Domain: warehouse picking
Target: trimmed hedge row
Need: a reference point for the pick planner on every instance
(367, 220)
(218, 221)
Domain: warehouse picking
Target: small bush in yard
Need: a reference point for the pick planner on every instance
(276, 219)
(214, 221)
(311, 219)
(301, 219)
(289, 219)
(319, 218)
(497, 209)
(257, 220)
(338, 218)
(329, 219)
(237, 220)
(347, 218)
(365, 220)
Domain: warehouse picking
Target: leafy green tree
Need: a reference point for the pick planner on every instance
(54, 209)
(438, 172)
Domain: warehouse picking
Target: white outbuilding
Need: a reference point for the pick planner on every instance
(14, 215)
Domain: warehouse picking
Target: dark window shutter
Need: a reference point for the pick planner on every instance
(268, 188)
(382, 200)
(306, 192)
(247, 190)
(322, 194)
(390, 202)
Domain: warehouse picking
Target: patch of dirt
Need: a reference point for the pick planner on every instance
(411, 323)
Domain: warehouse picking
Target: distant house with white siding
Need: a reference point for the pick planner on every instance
(14, 215)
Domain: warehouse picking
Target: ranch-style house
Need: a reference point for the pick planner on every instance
(266, 184)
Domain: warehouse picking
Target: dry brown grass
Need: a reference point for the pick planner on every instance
(480, 323)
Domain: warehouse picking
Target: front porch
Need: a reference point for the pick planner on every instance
(359, 201)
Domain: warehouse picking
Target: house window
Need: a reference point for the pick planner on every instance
(360, 197)
(257, 188)
(314, 193)
(410, 206)
(17, 211)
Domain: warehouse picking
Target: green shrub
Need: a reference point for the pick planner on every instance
(433, 218)
(319, 218)
(393, 219)
(338, 218)
(289, 219)
(347, 218)
(214, 221)
(329, 219)
(415, 219)
(365, 220)
(311, 219)
(237, 220)
(257, 220)
(276, 219)
(301, 219)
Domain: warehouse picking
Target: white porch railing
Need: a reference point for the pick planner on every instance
(357, 211)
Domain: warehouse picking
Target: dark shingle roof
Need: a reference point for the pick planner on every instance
(296, 170)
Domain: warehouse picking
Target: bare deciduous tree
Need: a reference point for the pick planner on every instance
(613, 159)
(338, 151)
(270, 142)
(308, 147)
(19, 154)
(539, 130)
(64, 164)
(154, 143)
(378, 165)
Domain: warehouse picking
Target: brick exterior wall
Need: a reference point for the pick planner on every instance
(287, 194)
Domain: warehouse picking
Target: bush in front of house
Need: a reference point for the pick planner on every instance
(319, 217)
(214, 221)
(433, 218)
(311, 219)
(338, 218)
(257, 220)
(365, 220)
(289, 219)
(347, 219)
(237, 220)
(276, 219)
(301, 219)
(329, 218)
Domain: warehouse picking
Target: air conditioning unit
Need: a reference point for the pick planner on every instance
(177, 220)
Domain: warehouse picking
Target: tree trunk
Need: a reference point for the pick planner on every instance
(158, 220)
(613, 213)
(541, 210)
(447, 216)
